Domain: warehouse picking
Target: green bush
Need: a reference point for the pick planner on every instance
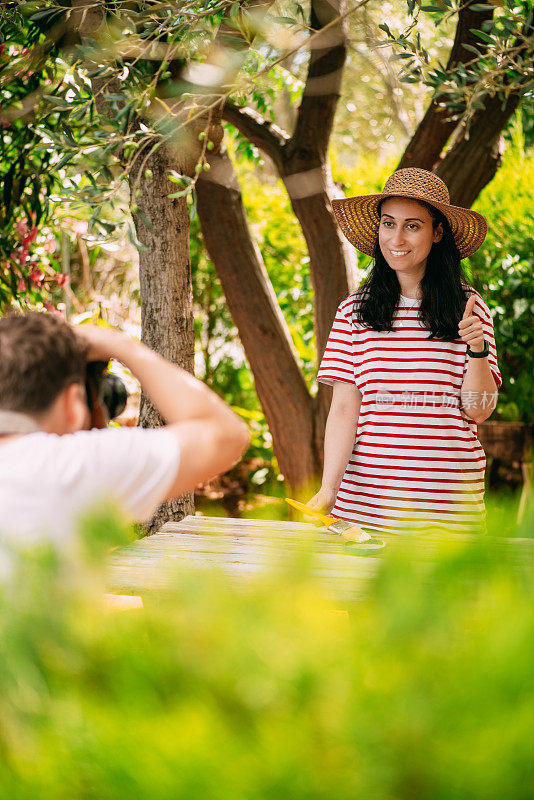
(425, 691)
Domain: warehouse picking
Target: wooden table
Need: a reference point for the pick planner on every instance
(245, 547)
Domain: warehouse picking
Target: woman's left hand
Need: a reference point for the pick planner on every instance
(470, 327)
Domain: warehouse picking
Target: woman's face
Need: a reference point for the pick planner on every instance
(406, 235)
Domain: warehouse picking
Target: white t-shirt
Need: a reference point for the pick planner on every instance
(48, 481)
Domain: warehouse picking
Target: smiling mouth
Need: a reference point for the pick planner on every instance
(399, 253)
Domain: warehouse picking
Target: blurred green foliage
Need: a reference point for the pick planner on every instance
(425, 691)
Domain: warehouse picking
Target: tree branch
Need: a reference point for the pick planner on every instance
(472, 163)
(434, 129)
(260, 131)
(474, 157)
(323, 83)
(262, 328)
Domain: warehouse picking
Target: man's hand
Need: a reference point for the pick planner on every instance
(103, 343)
(210, 435)
(470, 327)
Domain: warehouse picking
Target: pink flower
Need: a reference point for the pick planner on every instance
(2, 49)
(22, 228)
(79, 226)
(21, 255)
(49, 306)
(21, 286)
(36, 276)
(32, 236)
(62, 280)
(50, 246)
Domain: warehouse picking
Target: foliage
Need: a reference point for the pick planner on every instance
(81, 117)
(503, 269)
(377, 112)
(29, 271)
(503, 59)
(424, 690)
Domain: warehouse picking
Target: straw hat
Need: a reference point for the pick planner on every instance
(358, 217)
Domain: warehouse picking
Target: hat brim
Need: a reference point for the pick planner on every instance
(358, 219)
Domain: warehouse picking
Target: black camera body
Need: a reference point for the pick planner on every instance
(104, 389)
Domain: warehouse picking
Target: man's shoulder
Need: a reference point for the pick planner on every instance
(77, 448)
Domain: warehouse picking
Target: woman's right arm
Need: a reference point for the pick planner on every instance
(340, 434)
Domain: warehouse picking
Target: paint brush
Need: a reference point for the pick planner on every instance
(349, 531)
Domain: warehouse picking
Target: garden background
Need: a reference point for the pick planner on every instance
(168, 169)
(129, 134)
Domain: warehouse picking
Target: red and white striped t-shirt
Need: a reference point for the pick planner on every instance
(416, 462)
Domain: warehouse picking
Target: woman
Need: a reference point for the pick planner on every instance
(412, 360)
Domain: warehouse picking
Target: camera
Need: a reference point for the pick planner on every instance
(105, 391)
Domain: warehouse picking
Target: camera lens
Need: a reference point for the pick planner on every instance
(113, 394)
(108, 388)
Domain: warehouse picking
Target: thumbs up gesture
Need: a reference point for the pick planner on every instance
(470, 327)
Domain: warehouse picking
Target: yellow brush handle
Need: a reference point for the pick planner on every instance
(311, 512)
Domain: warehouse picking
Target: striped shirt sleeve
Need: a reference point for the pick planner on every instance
(482, 311)
(338, 362)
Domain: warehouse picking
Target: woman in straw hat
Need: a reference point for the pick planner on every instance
(412, 360)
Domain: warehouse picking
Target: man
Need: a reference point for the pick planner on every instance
(52, 468)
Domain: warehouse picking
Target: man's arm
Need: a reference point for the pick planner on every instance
(211, 437)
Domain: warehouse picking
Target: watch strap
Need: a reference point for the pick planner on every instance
(483, 353)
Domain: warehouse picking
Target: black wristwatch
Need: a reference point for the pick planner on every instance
(482, 354)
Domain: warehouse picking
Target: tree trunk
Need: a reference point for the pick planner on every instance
(281, 388)
(164, 267)
(311, 202)
(295, 419)
(472, 163)
(166, 295)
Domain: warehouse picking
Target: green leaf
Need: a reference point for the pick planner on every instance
(134, 240)
(472, 49)
(484, 36)
(60, 102)
(146, 221)
(284, 20)
(65, 160)
(68, 134)
(481, 7)
(176, 195)
(176, 177)
(193, 205)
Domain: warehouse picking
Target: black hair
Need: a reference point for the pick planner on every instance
(444, 289)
